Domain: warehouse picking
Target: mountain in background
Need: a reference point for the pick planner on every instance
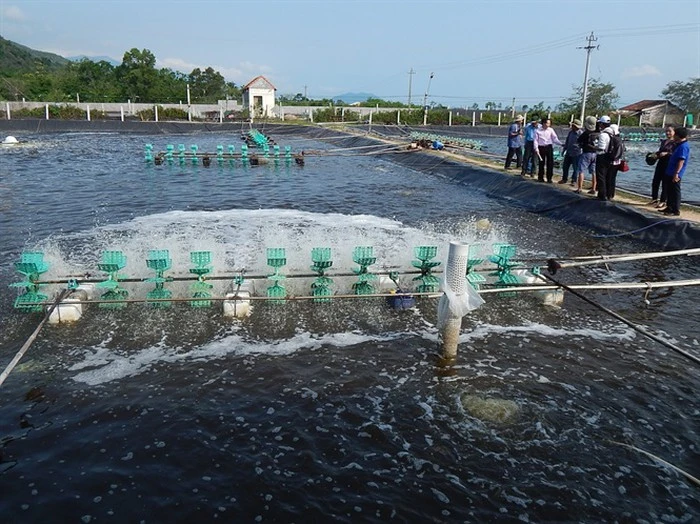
(95, 59)
(18, 58)
(351, 98)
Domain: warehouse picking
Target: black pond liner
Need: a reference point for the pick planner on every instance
(606, 218)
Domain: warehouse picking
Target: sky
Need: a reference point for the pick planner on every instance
(476, 50)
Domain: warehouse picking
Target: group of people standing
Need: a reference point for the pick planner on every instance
(594, 146)
(671, 160)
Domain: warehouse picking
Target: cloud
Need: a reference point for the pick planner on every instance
(241, 74)
(639, 71)
(12, 12)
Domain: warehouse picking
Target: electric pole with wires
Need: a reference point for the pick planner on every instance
(590, 47)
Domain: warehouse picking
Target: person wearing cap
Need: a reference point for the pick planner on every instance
(587, 161)
(515, 142)
(616, 155)
(530, 160)
(545, 138)
(602, 161)
(662, 156)
(572, 151)
(677, 165)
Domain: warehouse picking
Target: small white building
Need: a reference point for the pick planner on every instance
(259, 97)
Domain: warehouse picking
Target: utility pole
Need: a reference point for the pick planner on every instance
(410, 80)
(305, 86)
(425, 101)
(512, 109)
(590, 47)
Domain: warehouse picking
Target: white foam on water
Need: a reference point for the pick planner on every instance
(100, 365)
(238, 239)
(485, 330)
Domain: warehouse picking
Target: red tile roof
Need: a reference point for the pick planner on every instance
(255, 79)
(644, 104)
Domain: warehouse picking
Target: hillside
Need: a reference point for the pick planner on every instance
(16, 58)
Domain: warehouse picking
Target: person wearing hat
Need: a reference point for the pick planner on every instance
(530, 160)
(616, 154)
(515, 142)
(571, 152)
(587, 140)
(661, 158)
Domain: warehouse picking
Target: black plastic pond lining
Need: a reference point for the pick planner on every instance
(604, 218)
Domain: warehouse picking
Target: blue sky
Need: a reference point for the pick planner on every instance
(478, 50)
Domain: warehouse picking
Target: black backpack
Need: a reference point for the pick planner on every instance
(588, 140)
(616, 149)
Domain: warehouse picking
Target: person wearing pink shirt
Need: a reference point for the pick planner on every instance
(545, 138)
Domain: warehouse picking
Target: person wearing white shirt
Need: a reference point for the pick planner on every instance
(545, 138)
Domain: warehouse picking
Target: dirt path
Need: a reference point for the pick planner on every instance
(689, 213)
(465, 155)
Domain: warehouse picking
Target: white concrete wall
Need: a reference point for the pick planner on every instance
(130, 108)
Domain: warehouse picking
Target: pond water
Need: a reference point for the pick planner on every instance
(335, 410)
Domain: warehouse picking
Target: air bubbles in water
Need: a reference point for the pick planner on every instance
(490, 409)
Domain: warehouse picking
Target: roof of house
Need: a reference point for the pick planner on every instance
(647, 104)
(260, 81)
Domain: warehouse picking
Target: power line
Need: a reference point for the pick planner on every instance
(561, 43)
(590, 47)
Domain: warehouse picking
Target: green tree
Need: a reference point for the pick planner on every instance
(685, 95)
(137, 74)
(601, 98)
(207, 86)
(93, 81)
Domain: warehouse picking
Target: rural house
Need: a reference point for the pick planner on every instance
(654, 113)
(259, 97)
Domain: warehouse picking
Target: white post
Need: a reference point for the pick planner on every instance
(640, 119)
(77, 98)
(311, 115)
(449, 118)
(155, 113)
(473, 118)
(370, 120)
(398, 117)
(47, 111)
(9, 117)
(121, 112)
(221, 115)
(499, 118)
(87, 112)
(456, 281)
(619, 117)
(189, 106)
(342, 115)
(128, 104)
